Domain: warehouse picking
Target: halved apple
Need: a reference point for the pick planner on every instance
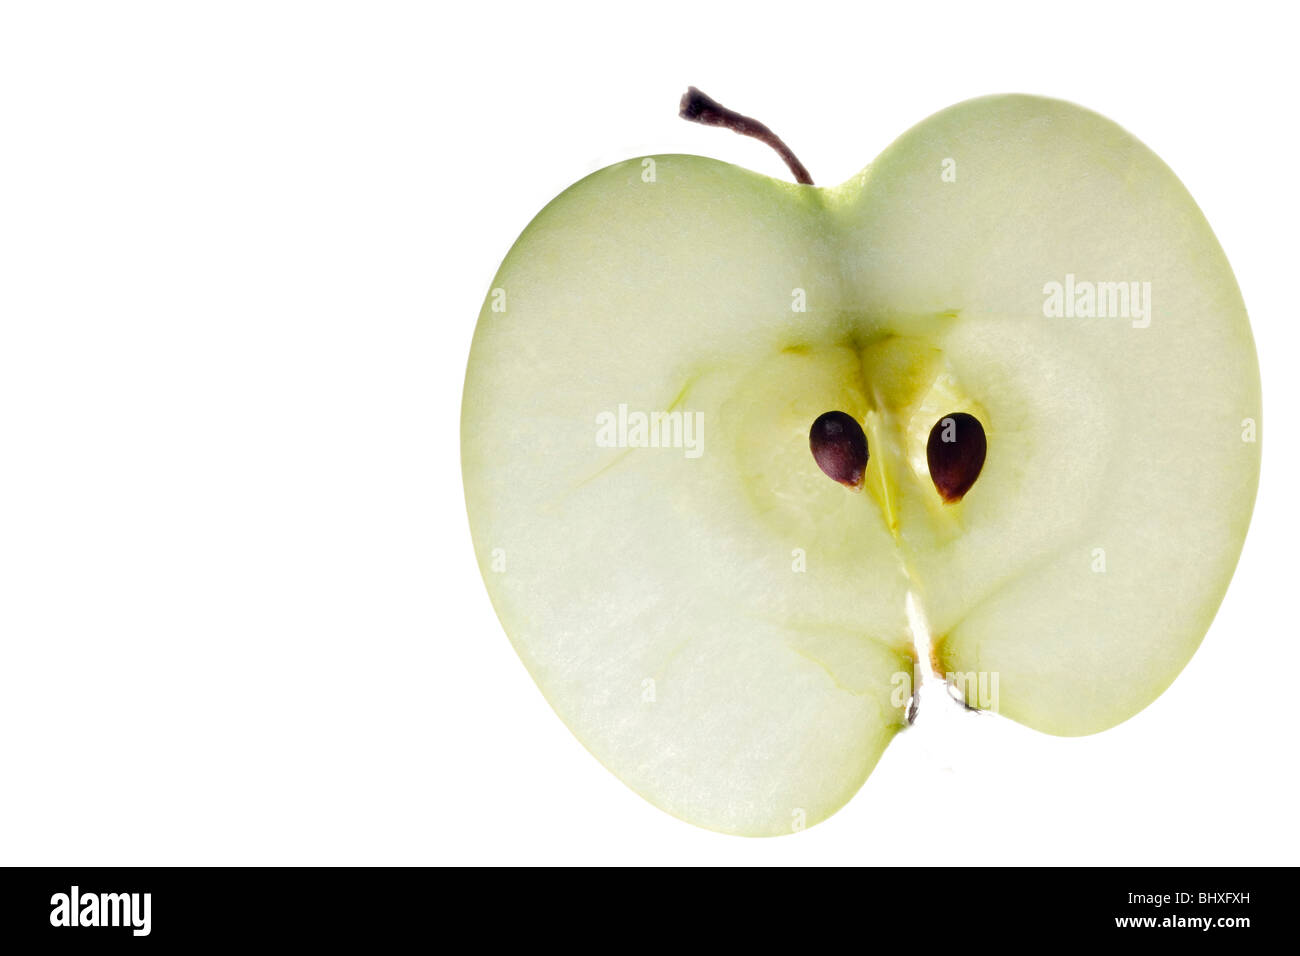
(1052, 369)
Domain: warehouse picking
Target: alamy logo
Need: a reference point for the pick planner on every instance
(1098, 300)
(101, 909)
(626, 429)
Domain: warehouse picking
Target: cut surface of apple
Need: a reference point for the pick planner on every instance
(721, 622)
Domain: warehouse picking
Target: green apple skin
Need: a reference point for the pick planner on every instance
(727, 632)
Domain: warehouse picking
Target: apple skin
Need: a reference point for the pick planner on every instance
(726, 632)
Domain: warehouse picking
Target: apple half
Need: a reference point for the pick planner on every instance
(723, 622)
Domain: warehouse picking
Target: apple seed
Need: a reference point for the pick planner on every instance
(956, 453)
(839, 447)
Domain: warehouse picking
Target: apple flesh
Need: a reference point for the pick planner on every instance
(724, 625)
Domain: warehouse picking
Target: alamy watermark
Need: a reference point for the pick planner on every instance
(1074, 299)
(977, 690)
(629, 429)
(76, 908)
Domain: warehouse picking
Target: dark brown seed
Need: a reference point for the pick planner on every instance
(956, 453)
(839, 447)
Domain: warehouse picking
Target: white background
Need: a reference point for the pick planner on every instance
(242, 250)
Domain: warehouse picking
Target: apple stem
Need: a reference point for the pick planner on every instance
(701, 108)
